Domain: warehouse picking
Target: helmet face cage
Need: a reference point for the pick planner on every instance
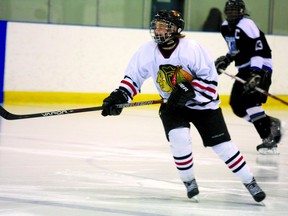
(234, 11)
(175, 25)
(170, 31)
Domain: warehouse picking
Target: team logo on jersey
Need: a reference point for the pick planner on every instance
(169, 75)
(231, 42)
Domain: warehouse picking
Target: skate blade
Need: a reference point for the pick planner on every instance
(262, 203)
(266, 151)
(195, 199)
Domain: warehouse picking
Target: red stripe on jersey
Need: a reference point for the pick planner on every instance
(203, 87)
(237, 162)
(130, 86)
(184, 163)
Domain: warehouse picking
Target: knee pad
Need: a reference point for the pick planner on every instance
(180, 141)
(223, 150)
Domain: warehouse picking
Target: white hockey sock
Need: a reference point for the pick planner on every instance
(180, 145)
(247, 118)
(232, 157)
(256, 113)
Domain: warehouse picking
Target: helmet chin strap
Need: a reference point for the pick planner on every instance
(170, 44)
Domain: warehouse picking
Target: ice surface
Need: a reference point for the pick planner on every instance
(85, 164)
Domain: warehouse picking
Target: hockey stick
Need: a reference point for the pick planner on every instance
(10, 116)
(256, 88)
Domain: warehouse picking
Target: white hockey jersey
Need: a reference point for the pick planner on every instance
(190, 56)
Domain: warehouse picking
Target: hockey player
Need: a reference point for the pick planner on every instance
(251, 53)
(184, 73)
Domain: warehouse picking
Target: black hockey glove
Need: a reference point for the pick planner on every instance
(223, 62)
(253, 81)
(118, 96)
(180, 95)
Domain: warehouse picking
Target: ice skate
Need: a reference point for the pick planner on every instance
(192, 190)
(276, 129)
(256, 192)
(268, 146)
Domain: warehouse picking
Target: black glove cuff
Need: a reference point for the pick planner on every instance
(255, 71)
(119, 95)
(181, 94)
(229, 58)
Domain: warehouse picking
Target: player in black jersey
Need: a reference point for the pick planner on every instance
(249, 50)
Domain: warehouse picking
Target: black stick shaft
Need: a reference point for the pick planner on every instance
(10, 116)
(256, 88)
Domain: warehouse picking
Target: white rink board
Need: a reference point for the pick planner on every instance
(67, 58)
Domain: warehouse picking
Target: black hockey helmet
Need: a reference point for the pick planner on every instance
(175, 23)
(234, 11)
